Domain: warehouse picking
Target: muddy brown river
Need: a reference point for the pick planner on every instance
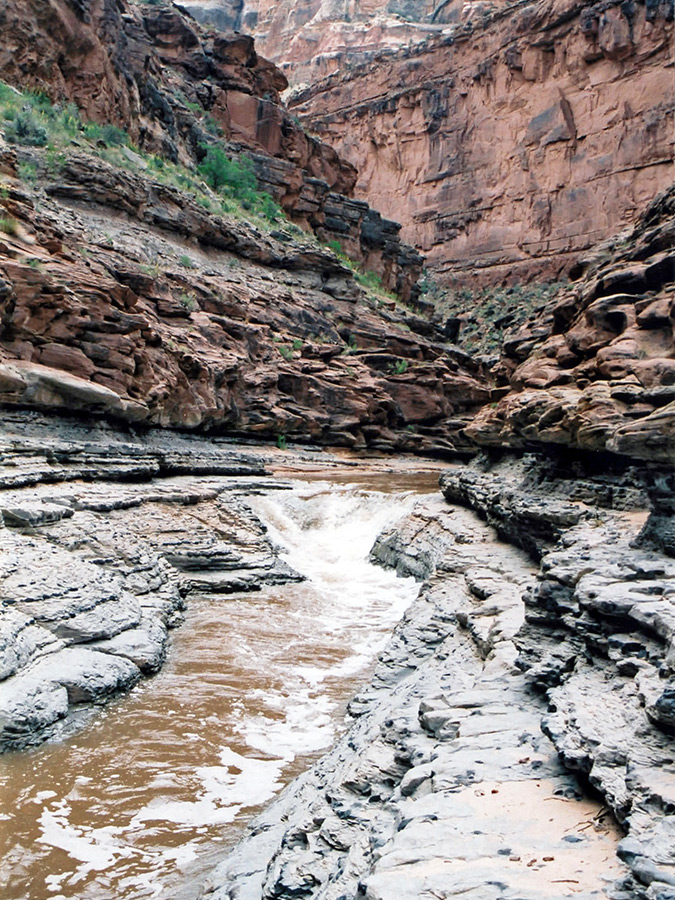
(142, 801)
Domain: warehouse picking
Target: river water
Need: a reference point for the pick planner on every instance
(142, 802)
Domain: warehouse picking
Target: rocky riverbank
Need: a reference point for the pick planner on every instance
(468, 759)
(454, 778)
(104, 535)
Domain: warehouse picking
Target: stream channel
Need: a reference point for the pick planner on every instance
(143, 801)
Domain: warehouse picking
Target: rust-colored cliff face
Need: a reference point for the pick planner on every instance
(309, 39)
(171, 85)
(509, 146)
(596, 370)
(124, 297)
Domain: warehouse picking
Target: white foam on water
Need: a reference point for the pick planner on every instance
(305, 640)
(326, 532)
(41, 796)
(307, 725)
(240, 782)
(96, 848)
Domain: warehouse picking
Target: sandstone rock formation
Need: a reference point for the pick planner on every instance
(123, 296)
(597, 639)
(515, 141)
(173, 86)
(419, 796)
(595, 371)
(314, 38)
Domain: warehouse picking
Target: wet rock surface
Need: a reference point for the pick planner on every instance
(444, 783)
(456, 776)
(104, 537)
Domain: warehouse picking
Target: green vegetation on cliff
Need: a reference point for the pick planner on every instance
(220, 183)
(484, 317)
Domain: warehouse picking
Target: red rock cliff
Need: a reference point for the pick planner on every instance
(513, 143)
(155, 72)
(312, 38)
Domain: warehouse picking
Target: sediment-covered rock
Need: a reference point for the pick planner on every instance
(444, 784)
(597, 641)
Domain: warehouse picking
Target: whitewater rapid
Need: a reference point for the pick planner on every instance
(143, 800)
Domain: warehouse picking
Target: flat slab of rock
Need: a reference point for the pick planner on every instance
(94, 572)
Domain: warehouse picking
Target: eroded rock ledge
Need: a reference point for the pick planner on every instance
(104, 535)
(122, 296)
(481, 705)
(173, 86)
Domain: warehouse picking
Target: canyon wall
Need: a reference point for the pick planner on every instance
(177, 88)
(594, 370)
(514, 141)
(122, 296)
(313, 38)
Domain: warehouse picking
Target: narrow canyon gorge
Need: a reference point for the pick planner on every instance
(337, 456)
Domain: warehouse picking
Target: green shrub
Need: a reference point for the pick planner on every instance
(235, 179)
(286, 352)
(369, 280)
(71, 119)
(9, 225)
(110, 135)
(28, 172)
(268, 207)
(219, 171)
(211, 125)
(281, 441)
(188, 302)
(25, 129)
(114, 136)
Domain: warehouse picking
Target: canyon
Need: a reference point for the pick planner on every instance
(505, 137)
(521, 138)
(175, 347)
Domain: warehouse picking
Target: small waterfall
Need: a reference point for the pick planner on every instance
(141, 802)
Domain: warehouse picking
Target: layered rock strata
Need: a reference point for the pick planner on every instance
(315, 38)
(103, 537)
(453, 778)
(174, 86)
(444, 784)
(597, 644)
(151, 70)
(595, 370)
(122, 296)
(515, 141)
